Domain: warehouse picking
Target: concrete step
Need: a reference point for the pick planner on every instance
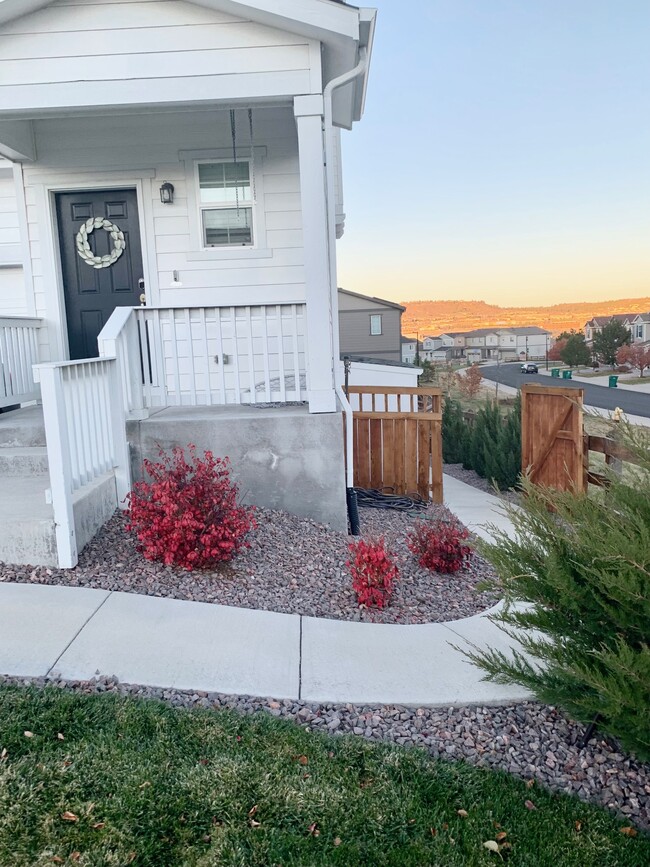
(22, 428)
(23, 461)
(27, 535)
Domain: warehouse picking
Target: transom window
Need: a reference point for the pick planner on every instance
(226, 204)
(375, 324)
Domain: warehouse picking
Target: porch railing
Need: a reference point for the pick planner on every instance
(18, 353)
(85, 431)
(208, 356)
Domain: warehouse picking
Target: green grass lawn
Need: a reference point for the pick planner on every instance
(104, 780)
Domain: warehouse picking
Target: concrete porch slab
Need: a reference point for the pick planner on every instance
(411, 665)
(37, 622)
(188, 645)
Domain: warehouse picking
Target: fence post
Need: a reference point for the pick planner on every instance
(121, 452)
(58, 452)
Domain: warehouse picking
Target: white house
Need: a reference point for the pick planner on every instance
(410, 349)
(639, 326)
(186, 156)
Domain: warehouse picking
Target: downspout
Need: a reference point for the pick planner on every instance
(328, 92)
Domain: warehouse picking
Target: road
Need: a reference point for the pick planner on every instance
(594, 395)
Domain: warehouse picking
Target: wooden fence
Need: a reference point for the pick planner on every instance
(615, 455)
(398, 440)
(552, 436)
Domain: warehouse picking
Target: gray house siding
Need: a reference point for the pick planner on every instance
(355, 313)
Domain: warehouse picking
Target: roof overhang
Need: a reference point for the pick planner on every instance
(343, 30)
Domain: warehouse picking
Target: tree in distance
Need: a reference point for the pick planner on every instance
(575, 352)
(609, 340)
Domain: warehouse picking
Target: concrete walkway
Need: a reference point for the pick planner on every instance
(77, 633)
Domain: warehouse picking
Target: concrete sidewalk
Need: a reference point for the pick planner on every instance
(78, 633)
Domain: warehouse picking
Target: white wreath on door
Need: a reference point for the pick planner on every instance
(83, 247)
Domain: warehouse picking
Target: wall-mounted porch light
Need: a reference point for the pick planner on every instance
(167, 193)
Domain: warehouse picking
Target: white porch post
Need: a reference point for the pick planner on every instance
(308, 111)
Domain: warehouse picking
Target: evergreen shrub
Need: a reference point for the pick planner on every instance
(581, 565)
(491, 445)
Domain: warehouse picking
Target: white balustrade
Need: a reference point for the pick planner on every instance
(209, 356)
(18, 353)
(85, 430)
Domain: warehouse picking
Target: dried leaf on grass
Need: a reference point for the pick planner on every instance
(69, 817)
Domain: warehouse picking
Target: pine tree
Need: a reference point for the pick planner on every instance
(454, 432)
(581, 565)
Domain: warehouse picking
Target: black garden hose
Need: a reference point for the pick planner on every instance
(375, 499)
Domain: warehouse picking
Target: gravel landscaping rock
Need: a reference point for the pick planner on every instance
(532, 741)
(294, 566)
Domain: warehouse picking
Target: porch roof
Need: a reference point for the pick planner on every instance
(341, 29)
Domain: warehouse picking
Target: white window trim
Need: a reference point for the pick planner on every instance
(381, 325)
(199, 253)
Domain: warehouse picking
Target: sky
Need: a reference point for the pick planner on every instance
(504, 154)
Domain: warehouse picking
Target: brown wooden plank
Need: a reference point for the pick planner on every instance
(436, 462)
(363, 454)
(424, 458)
(394, 389)
(525, 431)
(376, 474)
(410, 456)
(391, 414)
(388, 451)
(548, 442)
(399, 435)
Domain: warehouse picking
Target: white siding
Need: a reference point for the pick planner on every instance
(121, 52)
(12, 292)
(12, 285)
(152, 148)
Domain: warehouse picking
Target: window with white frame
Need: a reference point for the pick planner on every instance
(225, 204)
(375, 324)
(639, 332)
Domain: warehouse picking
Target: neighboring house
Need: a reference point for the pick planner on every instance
(454, 340)
(429, 345)
(486, 340)
(186, 154)
(369, 326)
(532, 342)
(598, 322)
(639, 326)
(411, 349)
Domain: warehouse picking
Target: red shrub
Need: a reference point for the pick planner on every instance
(373, 573)
(187, 513)
(438, 545)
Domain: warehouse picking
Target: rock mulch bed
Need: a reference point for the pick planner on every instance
(532, 741)
(294, 566)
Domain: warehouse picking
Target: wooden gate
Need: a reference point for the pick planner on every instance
(552, 437)
(398, 440)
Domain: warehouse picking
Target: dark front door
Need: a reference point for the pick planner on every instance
(101, 262)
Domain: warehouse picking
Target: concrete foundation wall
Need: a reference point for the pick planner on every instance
(93, 506)
(282, 458)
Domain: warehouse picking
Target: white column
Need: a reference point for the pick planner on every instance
(313, 185)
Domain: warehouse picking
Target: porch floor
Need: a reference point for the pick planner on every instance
(229, 411)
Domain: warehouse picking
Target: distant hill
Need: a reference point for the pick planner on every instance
(434, 317)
